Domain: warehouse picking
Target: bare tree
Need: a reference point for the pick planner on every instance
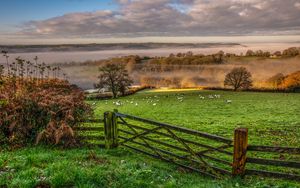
(238, 78)
(36, 66)
(1, 74)
(115, 78)
(5, 54)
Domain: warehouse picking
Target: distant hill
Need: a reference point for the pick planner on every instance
(100, 47)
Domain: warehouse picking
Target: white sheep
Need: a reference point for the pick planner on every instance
(228, 101)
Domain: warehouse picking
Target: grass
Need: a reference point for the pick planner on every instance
(42, 166)
(272, 119)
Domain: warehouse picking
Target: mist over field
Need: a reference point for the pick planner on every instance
(71, 60)
(68, 53)
(209, 75)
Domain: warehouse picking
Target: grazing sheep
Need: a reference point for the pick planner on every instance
(217, 96)
(228, 101)
(180, 98)
(201, 97)
(118, 103)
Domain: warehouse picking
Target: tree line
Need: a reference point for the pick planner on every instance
(116, 79)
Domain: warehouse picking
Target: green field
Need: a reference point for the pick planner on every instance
(272, 119)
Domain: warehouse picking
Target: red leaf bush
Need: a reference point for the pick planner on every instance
(35, 111)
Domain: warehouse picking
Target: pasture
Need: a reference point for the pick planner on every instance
(272, 119)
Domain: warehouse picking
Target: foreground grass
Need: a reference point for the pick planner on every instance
(40, 166)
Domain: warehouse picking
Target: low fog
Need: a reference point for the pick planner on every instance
(85, 75)
(201, 75)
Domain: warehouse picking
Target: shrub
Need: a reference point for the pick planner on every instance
(291, 81)
(40, 111)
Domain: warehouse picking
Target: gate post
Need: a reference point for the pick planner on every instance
(240, 150)
(110, 130)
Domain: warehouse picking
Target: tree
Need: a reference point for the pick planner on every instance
(131, 64)
(250, 53)
(115, 78)
(1, 74)
(277, 53)
(291, 81)
(6, 57)
(259, 53)
(276, 80)
(291, 52)
(238, 78)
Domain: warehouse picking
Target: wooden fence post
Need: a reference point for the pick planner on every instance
(110, 130)
(240, 150)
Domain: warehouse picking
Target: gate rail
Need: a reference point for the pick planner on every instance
(205, 153)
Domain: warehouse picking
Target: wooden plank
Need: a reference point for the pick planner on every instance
(179, 129)
(222, 171)
(142, 138)
(272, 174)
(100, 129)
(141, 134)
(179, 148)
(291, 164)
(185, 140)
(157, 141)
(171, 161)
(275, 149)
(110, 130)
(93, 121)
(240, 150)
(90, 137)
(93, 145)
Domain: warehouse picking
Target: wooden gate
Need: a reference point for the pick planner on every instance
(208, 154)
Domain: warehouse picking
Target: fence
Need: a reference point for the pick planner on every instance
(91, 133)
(271, 162)
(208, 154)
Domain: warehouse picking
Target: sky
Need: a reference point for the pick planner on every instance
(97, 21)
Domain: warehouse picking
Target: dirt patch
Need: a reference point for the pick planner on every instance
(43, 185)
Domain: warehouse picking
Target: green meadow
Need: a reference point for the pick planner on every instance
(272, 119)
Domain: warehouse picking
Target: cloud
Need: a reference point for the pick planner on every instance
(175, 18)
